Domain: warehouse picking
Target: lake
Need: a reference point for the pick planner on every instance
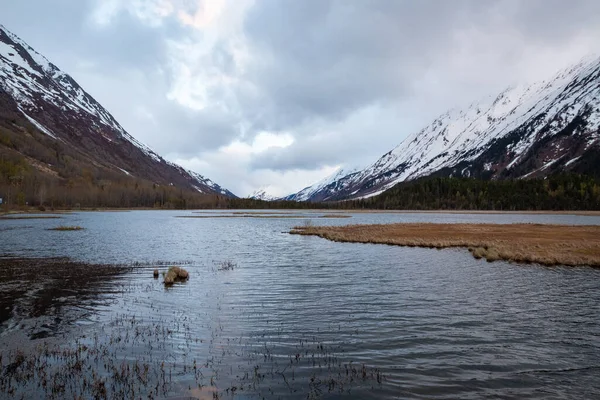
(296, 317)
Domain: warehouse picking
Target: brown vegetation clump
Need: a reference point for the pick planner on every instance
(521, 243)
(176, 274)
(66, 228)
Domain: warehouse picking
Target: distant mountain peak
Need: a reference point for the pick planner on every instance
(323, 187)
(262, 194)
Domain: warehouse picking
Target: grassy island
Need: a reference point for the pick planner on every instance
(521, 243)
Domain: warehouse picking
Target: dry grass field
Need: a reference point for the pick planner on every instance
(267, 216)
(520, 243)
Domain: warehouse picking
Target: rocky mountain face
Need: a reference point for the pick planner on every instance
(52, 102)
(525, 131)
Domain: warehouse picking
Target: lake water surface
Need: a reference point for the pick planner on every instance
(302, 317)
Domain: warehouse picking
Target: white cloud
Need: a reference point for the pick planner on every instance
(232, 163)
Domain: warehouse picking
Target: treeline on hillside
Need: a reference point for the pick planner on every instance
(69, 184)
(23, 185)
(254, 204)
(556, 192)
(36, 170)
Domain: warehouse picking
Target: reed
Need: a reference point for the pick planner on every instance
(265, 216)
(519, 243)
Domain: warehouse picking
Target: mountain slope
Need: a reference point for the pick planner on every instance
(325, 188)
(54, 104)
(525, 131)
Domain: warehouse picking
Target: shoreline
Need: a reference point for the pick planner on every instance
(550, 245)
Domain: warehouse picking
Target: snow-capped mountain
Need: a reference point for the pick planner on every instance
(262, 194)
(327, 187)
(57, 106)
(525, 131)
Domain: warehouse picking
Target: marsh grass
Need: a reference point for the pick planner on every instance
(66, 228)
(162, 351)
(266, 216)
(520, 243)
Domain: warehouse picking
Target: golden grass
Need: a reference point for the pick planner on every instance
(521, 243)
(66, 228)
(267, 216)
(263, 212)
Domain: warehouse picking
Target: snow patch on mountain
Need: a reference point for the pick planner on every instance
(40, 126)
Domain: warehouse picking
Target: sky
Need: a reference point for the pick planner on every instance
(278, 94)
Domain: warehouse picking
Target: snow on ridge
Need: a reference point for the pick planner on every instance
(203, 180)
(44, 79)
(42, 61)
(464, 134)
(39, 77)
(339, 174)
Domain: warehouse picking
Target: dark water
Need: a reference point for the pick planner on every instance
(304, 317)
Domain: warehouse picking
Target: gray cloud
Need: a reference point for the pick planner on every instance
(327, 60)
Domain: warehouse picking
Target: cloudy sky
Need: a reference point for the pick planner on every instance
(280, 93)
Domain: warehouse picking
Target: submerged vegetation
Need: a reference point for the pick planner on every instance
(159, 352)
(521, 243)
(226, 265)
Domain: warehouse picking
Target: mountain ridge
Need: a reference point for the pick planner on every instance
(56, 105)
(525, 131)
